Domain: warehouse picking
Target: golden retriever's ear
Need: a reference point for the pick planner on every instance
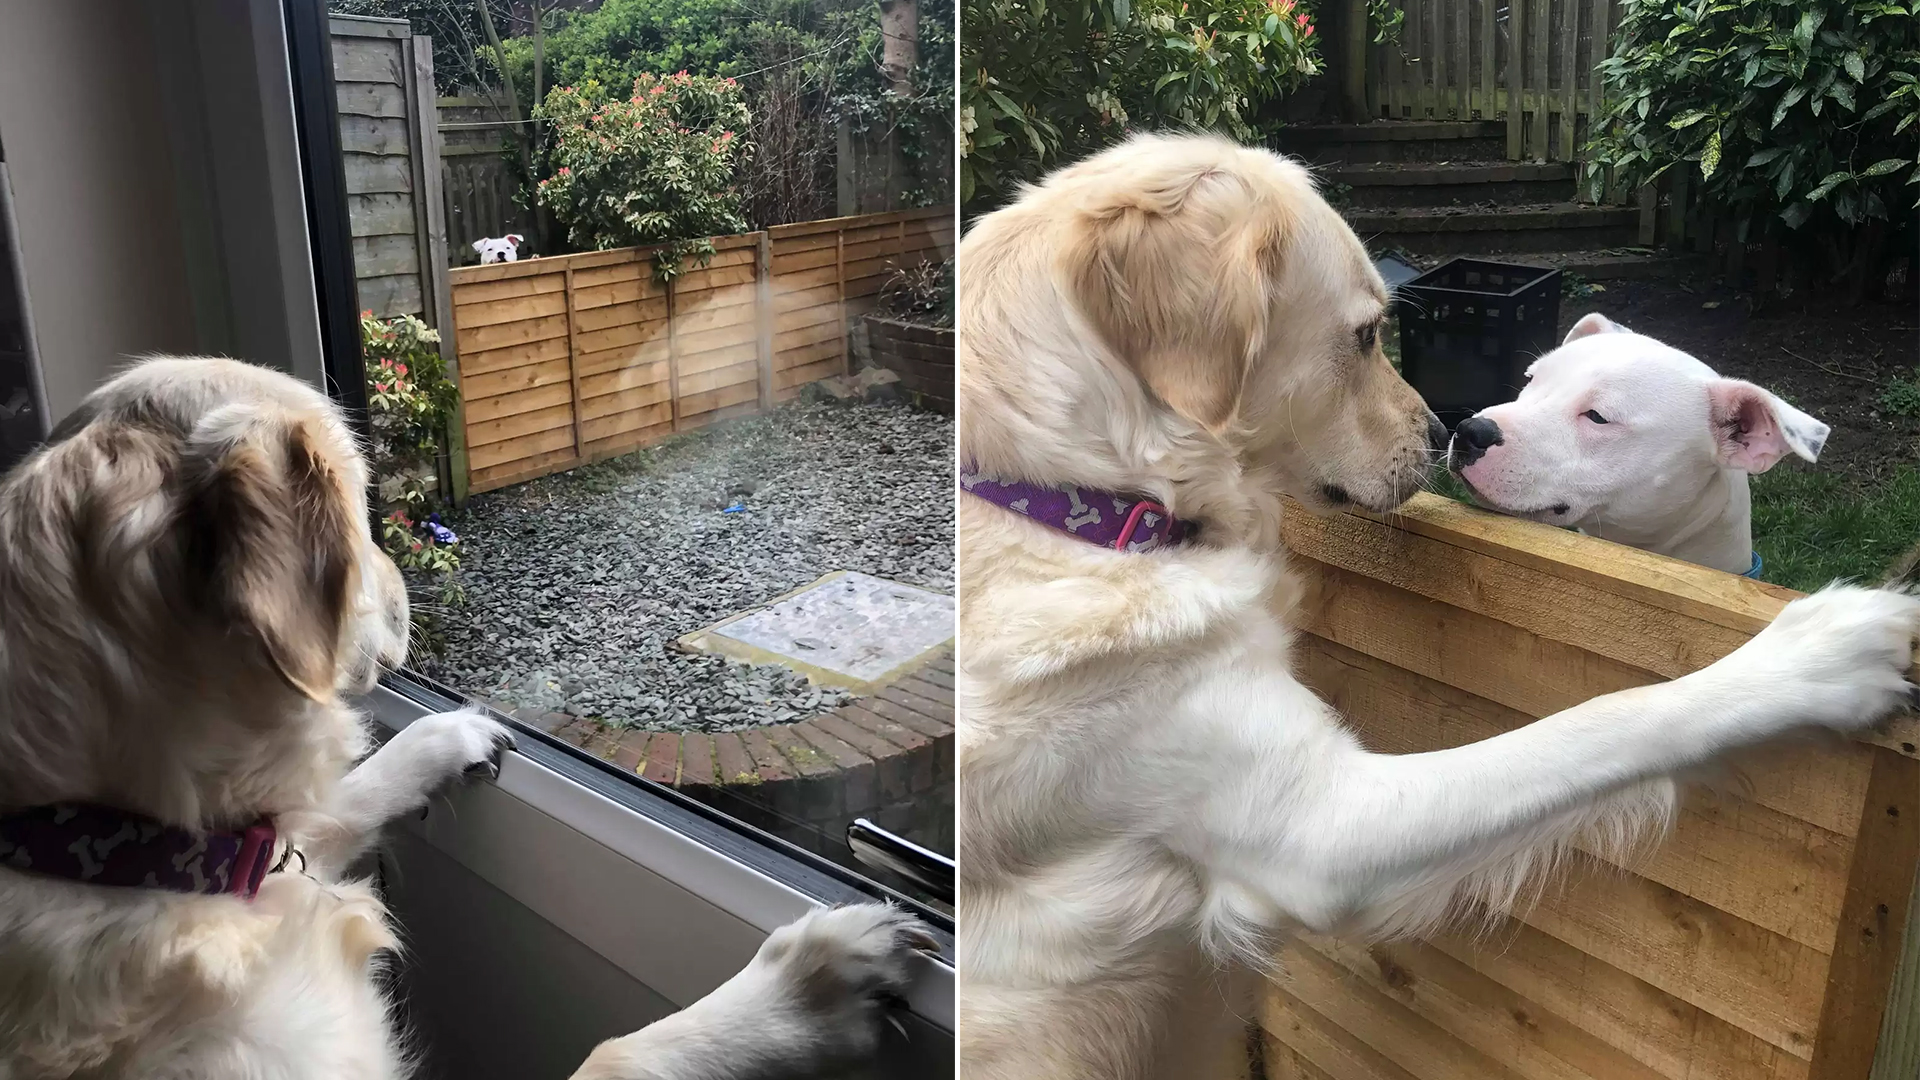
(1176, 277)
(270, 537)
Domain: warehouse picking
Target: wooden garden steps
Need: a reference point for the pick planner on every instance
(1397, 140)
(1536, 227)
(1382, 184)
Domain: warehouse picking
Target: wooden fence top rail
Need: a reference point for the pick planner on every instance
(1683, 589)
(803, 228)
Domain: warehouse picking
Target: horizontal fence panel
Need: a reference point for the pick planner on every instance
(515, 379)
(520, 425)
(1728, 952)
(574, 358)
(482, 361)
(481, 410)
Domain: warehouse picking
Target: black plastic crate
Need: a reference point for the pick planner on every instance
(1469, 328)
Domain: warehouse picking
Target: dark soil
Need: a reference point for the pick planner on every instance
(1831, 361)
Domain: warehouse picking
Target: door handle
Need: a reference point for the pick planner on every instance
(879, 849)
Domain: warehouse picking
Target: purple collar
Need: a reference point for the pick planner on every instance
(1120, 522)
(103, 846)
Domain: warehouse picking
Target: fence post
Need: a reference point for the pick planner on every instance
(1569, 73)
(840, 291)
(1649, 215)
(573, 369)
(673, 358)
(1353, 81)
(764, 302)
(1542, 49)
(1516, 79)
(1489, 54)
(431, 213)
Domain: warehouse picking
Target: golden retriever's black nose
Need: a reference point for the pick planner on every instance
(1472, 438)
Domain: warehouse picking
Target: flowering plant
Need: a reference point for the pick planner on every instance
(410, 402)
(654, 168)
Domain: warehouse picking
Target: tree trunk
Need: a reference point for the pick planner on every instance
(521, 140)
(900, 49)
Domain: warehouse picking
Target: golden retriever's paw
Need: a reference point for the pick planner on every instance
(836, 970)
(440, 748)
(1838, 658)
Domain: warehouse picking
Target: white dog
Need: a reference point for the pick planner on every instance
(188, 590)
(1180, 331)
(500, 248)
(1634, 441)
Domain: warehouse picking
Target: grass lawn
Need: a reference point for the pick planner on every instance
(1812, 527)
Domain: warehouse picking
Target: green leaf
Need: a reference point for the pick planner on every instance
(1007, 107)
(1796, 214)
(1827, 184)
(1883, 167)
(1787, 101)
(1122, 11)
(1809, 24)
(1171, 76)
(1764, 156)
(1688, 119)
(1856, 66)
(1710, 155)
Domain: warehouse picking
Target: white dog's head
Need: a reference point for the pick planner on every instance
(190, 586)
(1617, 430)
(500, 248)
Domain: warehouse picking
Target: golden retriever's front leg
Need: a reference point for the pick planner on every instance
(399, 777)
(810, 1003)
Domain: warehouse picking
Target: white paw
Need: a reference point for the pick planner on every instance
(1843, 654)
(436, 749)
(840, 967)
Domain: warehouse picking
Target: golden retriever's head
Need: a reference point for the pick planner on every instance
(1208, 316)
(190, 584)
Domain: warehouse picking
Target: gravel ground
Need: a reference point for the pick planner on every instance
(577, 584)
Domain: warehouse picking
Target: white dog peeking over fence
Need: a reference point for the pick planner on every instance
(500, 248)
(1634, 441)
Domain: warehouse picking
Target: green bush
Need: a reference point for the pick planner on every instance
(1796, 111)
(654, 168)
(1042, 84)
(410, 403)
(803, 65)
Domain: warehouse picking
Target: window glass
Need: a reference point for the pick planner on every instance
(673, 483)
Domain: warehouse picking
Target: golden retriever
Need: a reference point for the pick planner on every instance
(189, 590)
(1149, 799)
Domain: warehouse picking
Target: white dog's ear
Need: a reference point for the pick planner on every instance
(1174, 274)
(1592, 323)
(1753, 428)
(516, 238)
(479, 245)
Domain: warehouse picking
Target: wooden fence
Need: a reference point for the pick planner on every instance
(383, 81)
(1762, 941)
(478, 181)
(575, 359)
(1458, 60)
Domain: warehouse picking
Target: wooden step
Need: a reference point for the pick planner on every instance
(1373, 185)
(1396, 140)
(1560, 226)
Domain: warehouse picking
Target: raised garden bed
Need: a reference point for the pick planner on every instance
(921, 355)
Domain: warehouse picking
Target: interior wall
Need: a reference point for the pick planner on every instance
(156, 177)
(100, 240)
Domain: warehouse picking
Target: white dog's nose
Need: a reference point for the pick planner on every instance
(1474, 436)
